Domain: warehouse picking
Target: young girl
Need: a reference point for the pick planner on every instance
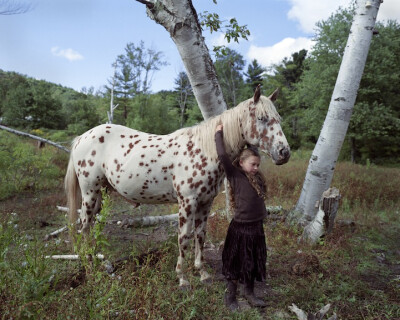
(244, 255)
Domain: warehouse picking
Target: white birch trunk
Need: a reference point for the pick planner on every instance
(110, 113)
(323, 159)
(147, 221)
(55, 234)
(180, 19)
(71, 256)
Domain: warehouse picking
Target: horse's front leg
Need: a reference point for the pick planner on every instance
(200, 235)
(187, 209)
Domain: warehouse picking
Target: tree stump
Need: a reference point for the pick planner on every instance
(324, 220)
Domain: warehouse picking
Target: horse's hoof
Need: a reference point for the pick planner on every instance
(184, 284)
(184, 288)
(204, 276)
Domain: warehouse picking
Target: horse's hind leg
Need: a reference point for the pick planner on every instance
(200, 227)
(91, 205)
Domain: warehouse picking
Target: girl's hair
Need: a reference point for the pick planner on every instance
(257, 181)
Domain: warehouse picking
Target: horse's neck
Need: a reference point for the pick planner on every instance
(233, 153)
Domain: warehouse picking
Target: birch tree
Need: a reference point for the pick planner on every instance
(323, 159)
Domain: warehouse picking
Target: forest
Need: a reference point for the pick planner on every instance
(305, 80)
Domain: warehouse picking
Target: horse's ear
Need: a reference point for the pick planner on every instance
(274, 95)
(257, 94)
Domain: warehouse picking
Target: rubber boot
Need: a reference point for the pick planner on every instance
(230, 296)
(251, 297)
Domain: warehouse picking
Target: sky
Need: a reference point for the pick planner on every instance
(75, 42)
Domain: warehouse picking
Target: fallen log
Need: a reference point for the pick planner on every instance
(70, 256)
(24, 134)
(65, 209)
(153, 220)
(301, 315)
(147, 221)
(139, 221)
(54, 234)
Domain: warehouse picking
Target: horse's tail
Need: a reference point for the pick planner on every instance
(71, 186)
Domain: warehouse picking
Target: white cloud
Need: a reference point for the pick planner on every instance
(276, 53)
(219, 40)
(68, 54)
(308, 12)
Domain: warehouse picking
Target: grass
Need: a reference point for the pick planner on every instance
(355, 268)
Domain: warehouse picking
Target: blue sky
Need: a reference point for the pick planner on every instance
(75, 42)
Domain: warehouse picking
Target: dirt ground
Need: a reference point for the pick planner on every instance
(38, 216)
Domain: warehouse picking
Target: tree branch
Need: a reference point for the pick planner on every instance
(148, 4)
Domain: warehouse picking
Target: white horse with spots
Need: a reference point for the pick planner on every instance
(179, 167)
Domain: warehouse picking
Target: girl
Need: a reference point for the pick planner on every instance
(244, 255)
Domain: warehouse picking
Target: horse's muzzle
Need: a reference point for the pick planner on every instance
(282, 155)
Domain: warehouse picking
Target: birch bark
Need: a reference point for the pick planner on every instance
(323, 159)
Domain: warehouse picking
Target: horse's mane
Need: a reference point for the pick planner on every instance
(232, 121)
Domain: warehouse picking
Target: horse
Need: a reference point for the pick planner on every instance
(180, 167)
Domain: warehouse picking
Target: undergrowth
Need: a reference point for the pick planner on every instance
(24, 167)
(355, 268)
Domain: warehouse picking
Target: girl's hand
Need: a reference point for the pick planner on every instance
(219, 127)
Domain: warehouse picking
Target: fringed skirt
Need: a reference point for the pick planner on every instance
(245, 252)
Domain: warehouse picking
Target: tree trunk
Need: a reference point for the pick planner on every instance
(179, 18)
(323, 160)
(20, 133)
(138, 221)
(110, 113)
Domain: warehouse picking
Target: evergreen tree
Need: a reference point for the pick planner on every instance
(254, 74)
(284, 76)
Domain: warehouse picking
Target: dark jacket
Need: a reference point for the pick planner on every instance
(249, 206)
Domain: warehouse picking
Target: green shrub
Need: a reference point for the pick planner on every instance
(25, 167)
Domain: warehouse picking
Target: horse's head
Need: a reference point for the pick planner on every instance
(263, 128)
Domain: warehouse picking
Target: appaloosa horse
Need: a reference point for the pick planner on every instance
(179, 167)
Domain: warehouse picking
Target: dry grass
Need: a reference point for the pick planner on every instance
(354, 268)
